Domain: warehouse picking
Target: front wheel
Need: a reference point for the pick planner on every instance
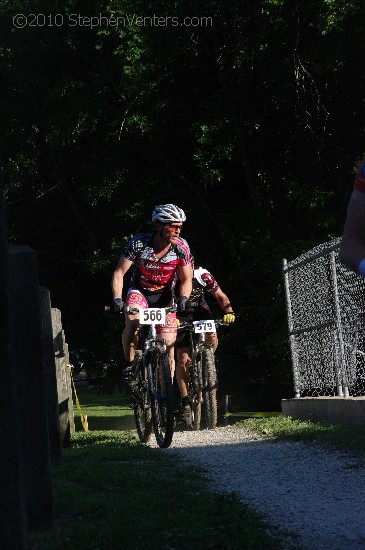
(210, 382)
(162, 401)
(142, 410)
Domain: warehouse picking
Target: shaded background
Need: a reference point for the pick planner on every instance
(250, 118)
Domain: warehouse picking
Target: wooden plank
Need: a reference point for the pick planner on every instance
(65, 404)
(49, 375)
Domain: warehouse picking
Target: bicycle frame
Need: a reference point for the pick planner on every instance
(197, 345)
(154, 387)
(202, 385)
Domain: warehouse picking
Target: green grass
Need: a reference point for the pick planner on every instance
(113, 493)
(104, 412)
(344, 437)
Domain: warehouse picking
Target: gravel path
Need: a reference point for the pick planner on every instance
(317, 494)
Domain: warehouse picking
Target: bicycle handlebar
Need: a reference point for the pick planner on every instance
(135, 310)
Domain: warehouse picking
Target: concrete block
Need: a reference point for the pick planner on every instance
(335, 410)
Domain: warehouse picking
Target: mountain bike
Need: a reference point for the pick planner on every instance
(152, 390)
(203, 377)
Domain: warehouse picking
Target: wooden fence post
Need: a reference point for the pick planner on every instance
(49, 375)
(13, 516)
(64, 389)
(31, 406)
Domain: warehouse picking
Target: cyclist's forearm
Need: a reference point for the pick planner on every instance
(225, 305)
(117, 284)
(223, 301)
(186, 287)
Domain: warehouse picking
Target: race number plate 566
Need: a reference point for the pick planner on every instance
(204, 326)
(152, 316)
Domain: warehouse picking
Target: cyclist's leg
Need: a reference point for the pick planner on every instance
(182, 370)
(212, 338)
(168, 332)
(130, 334)
(129, 337)
(183, 355)
(170, 338)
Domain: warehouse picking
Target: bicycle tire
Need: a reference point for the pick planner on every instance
(197, 410)
(195, 392)
(209, 387)
(162, 400)
(142, 411)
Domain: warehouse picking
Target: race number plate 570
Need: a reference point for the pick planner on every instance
(204, 326)
(153, 316)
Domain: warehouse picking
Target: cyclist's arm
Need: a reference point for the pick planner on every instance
(223, 300)
(352, 248)
(118, 276)
(186, 280)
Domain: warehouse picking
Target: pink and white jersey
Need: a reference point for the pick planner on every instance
(154, 274)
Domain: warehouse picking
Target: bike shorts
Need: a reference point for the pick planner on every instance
(198, 314)
(157, 299)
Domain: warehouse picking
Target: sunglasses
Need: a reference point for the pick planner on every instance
(174, 227)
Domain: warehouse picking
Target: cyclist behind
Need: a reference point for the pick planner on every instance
(198, 309)
(352, 247)
(157, 258)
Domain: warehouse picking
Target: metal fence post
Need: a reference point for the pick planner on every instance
(340, 363)
(293, 350)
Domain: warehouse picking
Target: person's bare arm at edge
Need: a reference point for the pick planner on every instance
(352, 247)
(186, 280)
(118, 276)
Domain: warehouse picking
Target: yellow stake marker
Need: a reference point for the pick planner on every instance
(83, 418)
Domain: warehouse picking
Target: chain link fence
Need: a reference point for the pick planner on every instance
(326, 318)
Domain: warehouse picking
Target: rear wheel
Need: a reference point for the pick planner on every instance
(197, 410)
(142, 410)
(209, 387)
(162, 401)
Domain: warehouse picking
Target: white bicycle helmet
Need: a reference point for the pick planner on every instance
(167, 213)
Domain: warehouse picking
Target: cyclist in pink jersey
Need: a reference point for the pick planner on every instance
(157, 258)
(352, 248)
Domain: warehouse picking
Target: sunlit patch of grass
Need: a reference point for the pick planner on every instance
(348, 437)
(103, 412)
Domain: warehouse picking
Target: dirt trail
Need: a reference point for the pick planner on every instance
(316, 493)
